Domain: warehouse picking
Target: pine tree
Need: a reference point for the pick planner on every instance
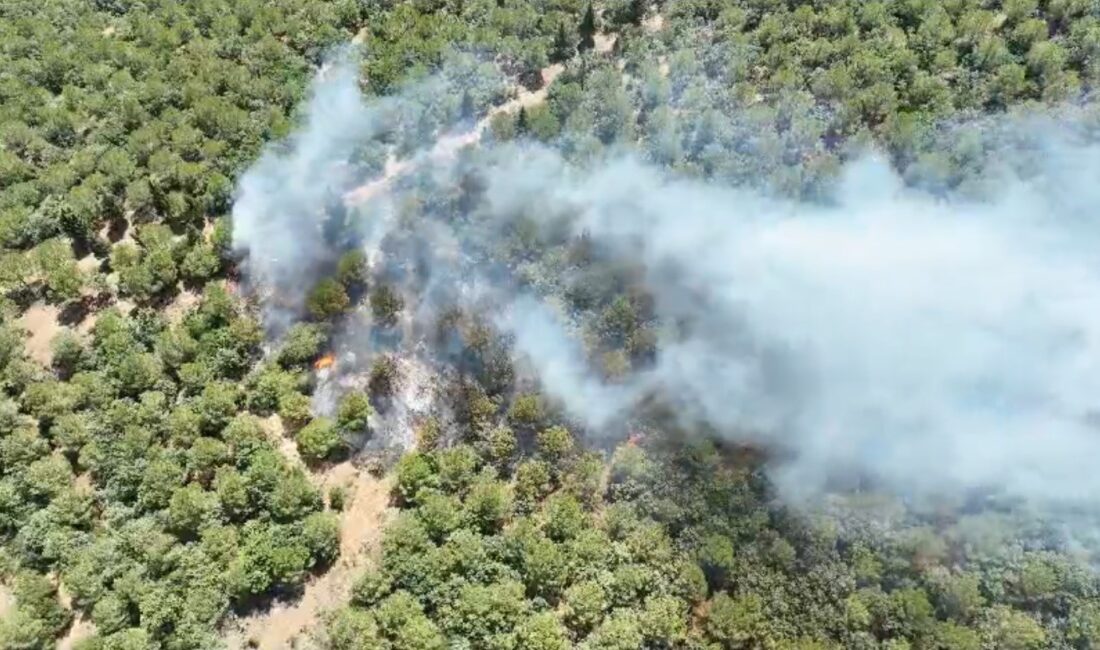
(637, 11)
(562, 48)
(587, 31)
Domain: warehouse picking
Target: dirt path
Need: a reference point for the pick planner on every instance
(7, 601)
(287, 624)
(449, 144)
(604, 42)
(78, 631)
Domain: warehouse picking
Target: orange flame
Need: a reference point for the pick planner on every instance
(326, 361)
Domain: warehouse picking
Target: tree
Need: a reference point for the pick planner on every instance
(302, 344)
(216, 406)
(328, 299)
(521, 122)
(543, 632)
(562, 48)
(295, 409)
(587, 30)
(352, 629)
(39, 617)
(190, 508)
(585, 604)
(554, 444)
(68, 353)
(532, 484)
(716, 559)
(321, 535)
(384, 376)
(620, 631)
(385, 304)
(54, 259)
(1002, 627)
(318, 441)
(351, 270)
(200, 263)
(414, 473)
(488, 505)
(352, 413)
(370, 588)
(736, 622)
(484, 614)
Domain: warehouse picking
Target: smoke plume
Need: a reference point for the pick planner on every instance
(934, 343)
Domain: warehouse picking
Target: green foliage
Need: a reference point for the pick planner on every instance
(385, 305)
(414, 473)
(54, 261)
(352, 413)
(384, 376)
(319, 440)
(302, 344)
(585, 605)
(328, 299)
(351, 269)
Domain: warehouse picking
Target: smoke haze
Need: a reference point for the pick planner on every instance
(933, 343)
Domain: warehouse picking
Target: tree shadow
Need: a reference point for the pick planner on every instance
(74, 312)
(116, 229)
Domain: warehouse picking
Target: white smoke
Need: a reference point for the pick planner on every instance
(935, 344)
(278, 212)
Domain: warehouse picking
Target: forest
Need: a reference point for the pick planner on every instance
(166, 450)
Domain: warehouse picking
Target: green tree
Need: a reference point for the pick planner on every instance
(543, 632)
(562, 49)
(55, 263)
(328, 299)
(351, 270)
(319, 440)
(414, 473)
(585, 604)
(386, 304)
(352, 413)
(736, 622)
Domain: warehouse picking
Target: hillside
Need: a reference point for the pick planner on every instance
(502, 324)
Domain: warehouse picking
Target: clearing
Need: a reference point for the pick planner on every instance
(42, 324)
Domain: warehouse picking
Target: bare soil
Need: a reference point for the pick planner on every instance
(42, 324)
(80, 629)
(7, 601)
(180, 305)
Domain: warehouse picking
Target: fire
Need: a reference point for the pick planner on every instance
(326, 361)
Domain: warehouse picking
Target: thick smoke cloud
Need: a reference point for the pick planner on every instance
(934, 344)
(931, 343)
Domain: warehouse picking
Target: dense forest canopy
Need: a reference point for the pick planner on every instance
(165, 447)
